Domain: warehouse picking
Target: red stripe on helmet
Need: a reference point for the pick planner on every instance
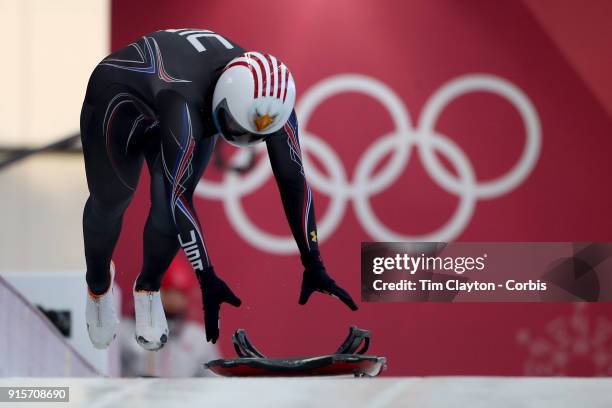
(263, 73)
(279, 72)
(286, 84)
(272, 74)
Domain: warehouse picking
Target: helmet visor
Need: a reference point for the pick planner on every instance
(231, 130)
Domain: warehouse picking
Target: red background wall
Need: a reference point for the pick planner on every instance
(552, 51)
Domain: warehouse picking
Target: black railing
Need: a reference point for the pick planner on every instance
(16, 155)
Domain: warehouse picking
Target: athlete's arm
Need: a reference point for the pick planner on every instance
(180, 130)
(286, 159)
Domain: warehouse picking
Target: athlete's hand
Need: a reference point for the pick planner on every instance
(214, 292)
(316, 279)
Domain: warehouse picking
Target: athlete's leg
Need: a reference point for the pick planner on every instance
(160, 235)
(113, 169)
(160, 247)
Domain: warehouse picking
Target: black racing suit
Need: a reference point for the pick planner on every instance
(152, 101)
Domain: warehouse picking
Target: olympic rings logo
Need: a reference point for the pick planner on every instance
(401, 143)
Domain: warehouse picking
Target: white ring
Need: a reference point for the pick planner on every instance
(282, 244)
(460, 217)
(473, 83)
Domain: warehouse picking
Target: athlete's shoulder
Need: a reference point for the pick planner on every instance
(198, 39)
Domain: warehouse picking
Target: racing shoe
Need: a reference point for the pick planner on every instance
(151, 324)
(101, 315)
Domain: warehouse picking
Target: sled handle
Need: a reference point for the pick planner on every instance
(356, 338)
(244, 348)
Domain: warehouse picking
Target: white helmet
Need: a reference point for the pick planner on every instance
(253, 98)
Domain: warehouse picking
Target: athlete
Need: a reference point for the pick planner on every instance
(164, 99)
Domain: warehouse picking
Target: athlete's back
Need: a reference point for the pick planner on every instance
(187, 61)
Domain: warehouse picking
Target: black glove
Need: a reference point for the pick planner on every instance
(315, 278)
(214, 292)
